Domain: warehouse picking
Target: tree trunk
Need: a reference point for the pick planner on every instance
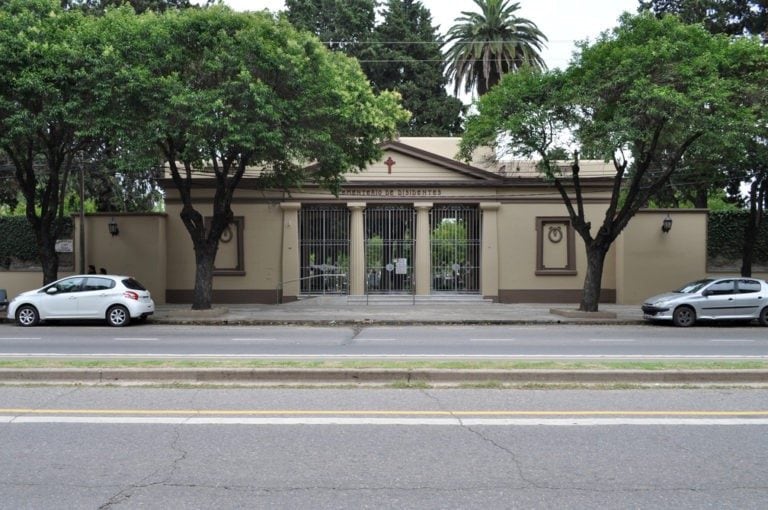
(750, 238)
(701, 201)
(49, 259)
(205, 257)
(752, 227)
(590, 297)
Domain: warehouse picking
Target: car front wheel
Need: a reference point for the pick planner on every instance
(118, 316)
(684, 316)
(27, 316)
(764, 316)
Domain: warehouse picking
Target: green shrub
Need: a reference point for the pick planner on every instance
(725, 237)
(17, 239)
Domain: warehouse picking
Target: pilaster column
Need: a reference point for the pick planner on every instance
(290, 265)
(423, 262)
(356, 249)
(489, 256)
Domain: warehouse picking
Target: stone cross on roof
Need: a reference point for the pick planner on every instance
(389, 162)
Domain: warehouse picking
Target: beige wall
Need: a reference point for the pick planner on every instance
(16, 282)
(406, 168)
(138, 250)
(262, 254)
(518, 254)
(651, 261)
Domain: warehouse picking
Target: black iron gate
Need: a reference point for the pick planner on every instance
(455, 248)
(389, 249)
(324, 240)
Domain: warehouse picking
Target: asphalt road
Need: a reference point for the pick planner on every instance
(286, 342)
(382, 448)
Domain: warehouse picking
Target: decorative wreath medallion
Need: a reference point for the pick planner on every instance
(555, 234)
(226, 236)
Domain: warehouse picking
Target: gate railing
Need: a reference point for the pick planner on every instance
(412, 289)
(341, 277)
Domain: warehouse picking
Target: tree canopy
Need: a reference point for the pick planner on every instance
(401, 53)
(484, 46)
(405, 56)
(643, 95)
(45, 93)
(220, 92)
(99, 6)
(732, 17)
(733, 159)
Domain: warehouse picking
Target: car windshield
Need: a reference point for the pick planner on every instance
(132, 284)
(690, 288)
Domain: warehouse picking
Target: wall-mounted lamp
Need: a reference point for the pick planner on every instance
(666, 225)
(113, 227)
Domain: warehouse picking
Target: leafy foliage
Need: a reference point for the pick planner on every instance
(218, 92)
(725, 237)
(486, 45)
(342, 24)
(402, 54)
(732, 17)
(405, 56)
(17, 240)
(651, 88)
(99, 6)
(45, 90)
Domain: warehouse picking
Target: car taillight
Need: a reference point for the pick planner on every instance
(131, 295)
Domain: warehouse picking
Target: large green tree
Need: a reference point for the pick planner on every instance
(218, 92)
(483, 46)
(642, 95)
(45, 91)
(139, 6)
(400, 53)
(735, 158)
(732, 17)
(404, 55)
(344, 25)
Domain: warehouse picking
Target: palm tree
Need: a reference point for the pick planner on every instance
(490, 43)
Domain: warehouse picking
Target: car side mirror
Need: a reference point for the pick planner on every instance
(707, 293)
(51, 290)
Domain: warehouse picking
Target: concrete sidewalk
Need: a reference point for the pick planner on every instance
(330, 311)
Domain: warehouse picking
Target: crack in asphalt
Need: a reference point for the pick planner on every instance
(356, 330)
(127, 492)
(511, 454)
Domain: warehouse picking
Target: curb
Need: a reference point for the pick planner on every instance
(391, 322)
(377, 376)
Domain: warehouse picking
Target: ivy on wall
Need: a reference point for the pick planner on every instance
(17, 240)
(725, 237)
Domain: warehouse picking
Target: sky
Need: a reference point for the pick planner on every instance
(563, 21)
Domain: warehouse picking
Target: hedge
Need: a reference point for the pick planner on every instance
(17, 239)
(725, 237)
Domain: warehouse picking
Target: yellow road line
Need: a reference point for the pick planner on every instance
(297, 412)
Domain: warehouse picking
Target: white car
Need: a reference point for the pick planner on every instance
(730, 298)
(116, 299)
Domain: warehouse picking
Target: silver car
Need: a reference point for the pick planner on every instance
(732, 298)
(116, 299)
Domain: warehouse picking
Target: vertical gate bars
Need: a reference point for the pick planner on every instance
(455, 248)
(324, 243)
(390, 249)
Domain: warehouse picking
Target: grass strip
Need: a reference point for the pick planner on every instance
(664, 365)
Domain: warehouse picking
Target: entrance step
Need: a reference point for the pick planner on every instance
(407, 299)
